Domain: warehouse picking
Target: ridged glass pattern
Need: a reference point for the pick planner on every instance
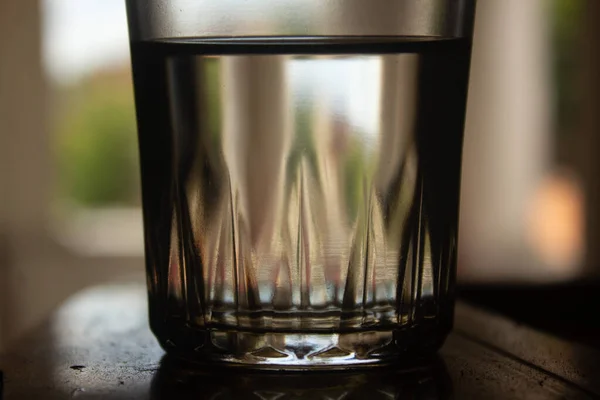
(305, 193)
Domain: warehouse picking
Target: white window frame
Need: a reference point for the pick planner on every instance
(37, 270)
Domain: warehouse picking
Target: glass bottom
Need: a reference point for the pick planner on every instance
(180, 380)
(302, 350)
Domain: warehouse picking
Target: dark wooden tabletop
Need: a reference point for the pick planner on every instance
(98, 346)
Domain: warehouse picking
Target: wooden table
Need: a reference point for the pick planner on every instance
(98, 346)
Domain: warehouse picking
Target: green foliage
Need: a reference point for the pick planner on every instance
(96, 149)
(213, 81)
(566, 23)
(354, 185)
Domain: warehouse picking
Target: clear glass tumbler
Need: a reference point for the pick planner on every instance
(300, 175)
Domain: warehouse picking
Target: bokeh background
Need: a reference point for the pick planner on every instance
(70, 213)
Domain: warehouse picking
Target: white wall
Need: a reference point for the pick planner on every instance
(507, 139)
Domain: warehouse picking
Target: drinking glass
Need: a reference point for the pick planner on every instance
(300, 166)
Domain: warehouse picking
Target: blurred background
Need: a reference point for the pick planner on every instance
(69, 188)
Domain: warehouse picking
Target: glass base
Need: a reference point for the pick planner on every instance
(428, 379)
(302, 351)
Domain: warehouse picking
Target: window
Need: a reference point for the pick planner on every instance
(96, 203)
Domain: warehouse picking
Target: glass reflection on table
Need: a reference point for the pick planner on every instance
(426, 379)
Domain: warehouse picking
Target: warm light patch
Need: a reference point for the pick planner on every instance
(556, 222)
